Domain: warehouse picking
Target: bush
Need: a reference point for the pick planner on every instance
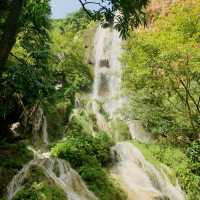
(88, 155)
(100, 183)
(40, 191)
(39, 187)
(83, 149)
(193, 152)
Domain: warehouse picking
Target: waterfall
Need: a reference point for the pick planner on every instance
(107, 68)
(107, 81)
(140, 179)
(57, 170)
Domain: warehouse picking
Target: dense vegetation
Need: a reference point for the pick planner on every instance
(162, 78)
(28, 53)
(162, 73)
(38, 187)
(89, 155)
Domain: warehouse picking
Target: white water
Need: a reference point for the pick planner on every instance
(139, 178)
(58, 170)
(107, 68)
(107, 81)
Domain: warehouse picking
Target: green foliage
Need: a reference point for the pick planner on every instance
(178, 162)
(83, 149)
(12, 159)
(39, 187)
(100, 183)
(27, 76)
(75, 22)
(70, 66)
(88, 154)
(161, 73)
(193, 152)
(71, 72)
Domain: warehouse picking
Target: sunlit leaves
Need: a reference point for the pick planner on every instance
(163, 72)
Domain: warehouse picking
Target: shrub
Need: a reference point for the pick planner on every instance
(83, 149)
(100, 183)
(88, 155)
(39, 187)
(40, 191)
(193, 152)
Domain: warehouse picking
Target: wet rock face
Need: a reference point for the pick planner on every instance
(34, 125)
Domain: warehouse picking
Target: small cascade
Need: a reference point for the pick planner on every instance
(55, 169)
(44, 131)
(18, 179)
(139, 178)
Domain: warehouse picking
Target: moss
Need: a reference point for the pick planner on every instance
(38, 187)
(12, 159)
(177, 161)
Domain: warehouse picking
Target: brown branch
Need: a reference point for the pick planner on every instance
(189, 94)
(85, 9)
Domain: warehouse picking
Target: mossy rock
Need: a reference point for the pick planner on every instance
(38, 187)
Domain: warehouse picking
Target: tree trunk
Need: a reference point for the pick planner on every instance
(10, 32)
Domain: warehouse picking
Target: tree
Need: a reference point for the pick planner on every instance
(162, 72)
(26, 77)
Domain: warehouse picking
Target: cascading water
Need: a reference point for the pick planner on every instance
(58, 170)
(139, 179)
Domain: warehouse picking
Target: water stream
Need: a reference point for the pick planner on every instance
(55, 169)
